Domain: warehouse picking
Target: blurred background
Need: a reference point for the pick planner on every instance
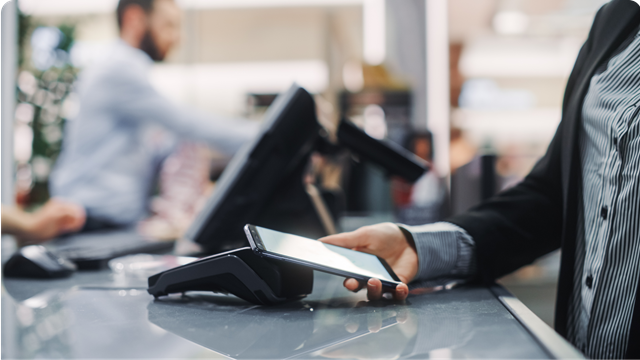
(474, 86)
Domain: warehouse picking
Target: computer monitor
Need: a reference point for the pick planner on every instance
(263, 183)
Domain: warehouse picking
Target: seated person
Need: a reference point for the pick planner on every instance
(113, 148)
(56, 217)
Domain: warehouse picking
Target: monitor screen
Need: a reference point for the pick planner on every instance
(262, 175)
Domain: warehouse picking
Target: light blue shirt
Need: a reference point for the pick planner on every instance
(124, 129)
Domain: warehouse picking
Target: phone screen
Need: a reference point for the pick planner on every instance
(327, 255)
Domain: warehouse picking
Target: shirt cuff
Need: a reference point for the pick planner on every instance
(444, 250)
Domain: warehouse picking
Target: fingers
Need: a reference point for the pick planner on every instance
(70, 216)
(401, 293)
(350, 240)
(374, 289)
(75, 221)
(352, 285)
(351, 327)
(374, 322)
(402, 315)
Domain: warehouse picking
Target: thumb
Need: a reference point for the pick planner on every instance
(350, 240)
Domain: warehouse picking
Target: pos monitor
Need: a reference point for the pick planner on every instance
(263, 184)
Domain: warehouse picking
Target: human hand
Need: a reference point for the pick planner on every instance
(54, 218)
(387, 241)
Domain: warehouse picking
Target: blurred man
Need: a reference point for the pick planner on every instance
(54, 218)
(582, 197)
(125, 129)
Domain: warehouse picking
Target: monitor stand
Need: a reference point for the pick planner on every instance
(298, 208)
(292, 207)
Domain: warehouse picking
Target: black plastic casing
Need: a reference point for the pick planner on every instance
(36, 261)
(263, 183)
(395, 159)
(240, 272)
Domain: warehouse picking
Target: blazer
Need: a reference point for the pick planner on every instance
(540, 214)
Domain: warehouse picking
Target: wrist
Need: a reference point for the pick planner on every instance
(410, 256)
(408, 237)
(436, 247)
(19, 224)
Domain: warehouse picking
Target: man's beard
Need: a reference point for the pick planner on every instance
(150, 48)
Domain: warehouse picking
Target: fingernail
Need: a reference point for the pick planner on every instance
(370, 282)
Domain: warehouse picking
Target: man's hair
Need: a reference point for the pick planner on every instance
(146, 5)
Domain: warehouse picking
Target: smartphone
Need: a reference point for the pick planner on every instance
(320, 256)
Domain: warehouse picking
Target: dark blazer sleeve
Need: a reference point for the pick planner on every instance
(517, 226)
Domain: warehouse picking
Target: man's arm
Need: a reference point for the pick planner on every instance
(54, 218)
(134, 99)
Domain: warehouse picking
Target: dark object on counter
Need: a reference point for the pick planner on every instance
(36, 261)
(92, 250)
(239, 272)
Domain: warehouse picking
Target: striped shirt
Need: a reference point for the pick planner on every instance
(608, 244)
(608, 251)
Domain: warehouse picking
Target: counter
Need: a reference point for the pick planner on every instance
(107, 315)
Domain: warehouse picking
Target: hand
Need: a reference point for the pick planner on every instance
(54, 218)
(388, 242)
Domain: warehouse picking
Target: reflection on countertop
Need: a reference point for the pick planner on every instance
(97, 315)
(299, 329)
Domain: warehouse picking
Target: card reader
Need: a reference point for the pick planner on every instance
(240, 272)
